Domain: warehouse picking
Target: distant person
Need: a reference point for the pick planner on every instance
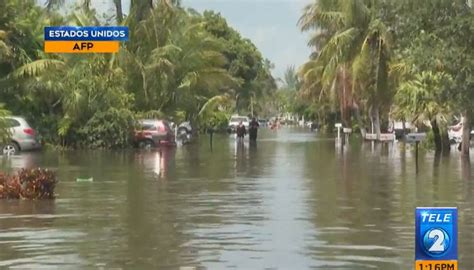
(241, 131)
(253, 129)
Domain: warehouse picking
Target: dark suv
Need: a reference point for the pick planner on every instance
(153, 133)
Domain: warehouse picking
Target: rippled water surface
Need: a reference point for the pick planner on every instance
(293, 201)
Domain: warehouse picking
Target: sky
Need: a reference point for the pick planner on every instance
(270, 24)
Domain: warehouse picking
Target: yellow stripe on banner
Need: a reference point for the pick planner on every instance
(81, 46)
(436, 265)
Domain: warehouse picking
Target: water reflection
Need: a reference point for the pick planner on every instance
(158, 161)
(290, 201)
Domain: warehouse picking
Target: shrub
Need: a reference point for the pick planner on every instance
(109, 129)
(28, 184)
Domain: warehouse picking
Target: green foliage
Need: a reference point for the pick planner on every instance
(244, 63)
(218, 121)
(419, 52)
(351, 64)
(108, 129)
(4, 130)
(215, 112)
(428, 142)
(174, 67)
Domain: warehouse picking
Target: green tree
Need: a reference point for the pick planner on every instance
(351, 65)
(176, 66)
(424, 98)
(437, 37)
(244, 63)
(4, 130)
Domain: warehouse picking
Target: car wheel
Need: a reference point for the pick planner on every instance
(182, 130)
(146, 144)
(10, 149)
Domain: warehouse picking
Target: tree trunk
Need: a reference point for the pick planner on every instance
(345, 116)
(377, 122)
(359, 120)
(436, 135)
(118, 10)
(237, 107)
(445, 144)
(404, 127)
(140, 8)
(466, 133)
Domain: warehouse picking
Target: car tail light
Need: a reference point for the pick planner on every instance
(29, 131)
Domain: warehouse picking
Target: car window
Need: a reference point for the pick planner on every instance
(148, 127)
(12, 122)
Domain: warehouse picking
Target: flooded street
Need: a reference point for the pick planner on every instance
(293, 201)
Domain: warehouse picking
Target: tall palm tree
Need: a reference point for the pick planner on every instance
(177, 66)
(352, 57)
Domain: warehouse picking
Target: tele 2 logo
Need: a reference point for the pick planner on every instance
(436, 233)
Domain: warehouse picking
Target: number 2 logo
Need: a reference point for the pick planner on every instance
(436, 241)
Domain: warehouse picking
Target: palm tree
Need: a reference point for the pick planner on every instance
(177, 66)
(352, 58)
(422, 98)
(290, 79)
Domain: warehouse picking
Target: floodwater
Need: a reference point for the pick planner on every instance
(293, 201)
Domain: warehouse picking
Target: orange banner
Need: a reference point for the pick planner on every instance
(436, 265)
(81, 46)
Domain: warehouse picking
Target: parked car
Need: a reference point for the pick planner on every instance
(23, 136)
(235, 120)
(185, 128)
(153, 133)
(184, 132)
(455, 133)
(262, 122)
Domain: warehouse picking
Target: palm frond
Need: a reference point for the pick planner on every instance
(37, 67)
(50, 4)
(338, 45)
(213, 102)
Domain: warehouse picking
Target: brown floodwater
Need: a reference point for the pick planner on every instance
(292, 201)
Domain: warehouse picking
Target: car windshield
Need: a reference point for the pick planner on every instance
(238, 119)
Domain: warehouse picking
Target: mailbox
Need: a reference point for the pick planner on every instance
(338, 125)
(415, 137)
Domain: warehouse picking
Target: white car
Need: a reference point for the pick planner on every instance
(23, 137)
(455, 133)
(235, 120)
